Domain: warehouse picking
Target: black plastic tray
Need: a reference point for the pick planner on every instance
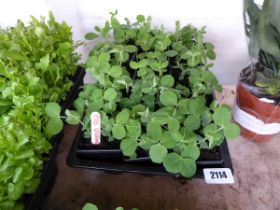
(35, 201)
(92, 159)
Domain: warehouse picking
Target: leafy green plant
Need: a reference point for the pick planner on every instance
(154, 93)
(36, 63)
(262, 26)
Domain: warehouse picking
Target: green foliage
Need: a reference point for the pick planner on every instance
(35, 64)
(262, 26)
(144, 104)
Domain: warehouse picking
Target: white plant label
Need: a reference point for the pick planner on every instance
(254, 124)
(95, 121)
(218, 176)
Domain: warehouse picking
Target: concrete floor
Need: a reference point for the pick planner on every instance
(257, 182)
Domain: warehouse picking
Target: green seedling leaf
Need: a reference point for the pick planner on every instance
(184, 105)
(118, 131)
(104, 58)
(89, 206)
(168, 140)
(110, 94)
(79, 105)
(192, 122)
(16, 190)
(133, 128)
(115, 71)
(211, 54)
(161, 117)
(168, 98)
(167, 81)
(72, 117)
(222, 116)
(157, 153)
(188, 167)
(128, 146)
(173, 124)
(130, 48)
(191, 151)
(214, 136)
(231, 130)
(54, 126)
(44, 62)
(172, 162)
(95, 94)
(52, 109)
(122, 117)
(171, 53)
(95, 106)
(134, 65)
(91, 61)
(91, 36)
(140, 18)
(188, 136)
(197, 106)
(154, 129)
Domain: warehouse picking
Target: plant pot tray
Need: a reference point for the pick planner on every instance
(35, 201)
(112, 160)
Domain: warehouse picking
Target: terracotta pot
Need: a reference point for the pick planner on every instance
(258, 118)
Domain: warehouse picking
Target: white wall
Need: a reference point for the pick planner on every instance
(223, 19)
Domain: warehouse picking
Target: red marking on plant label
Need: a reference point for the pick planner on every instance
(95, 128)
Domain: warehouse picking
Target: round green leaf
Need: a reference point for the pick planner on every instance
(210, 129)
(172, 162)
(154, 129)
(133, 128)
(191, 151)
(54, 126)
(171, 53)
(192, 122)
(161, 117)
(79, 105)
(167, 81)
(140, 18)
(133, 65)
(183, 106)
(52, 109)
(72, 117)
(189, 136)
(95, 106)
(157, 153)
(128, 146)
(211, 54)
(122, 117)
(168, 140)
(168, 98)
(130, 48)
(115, 71)
(231, 130)
(197, 106)
(104, 57)
(188, 167)
(89, 206)
(118, 131)
(90, 36)
(173, 124)
(222, 115)
(110, 94)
